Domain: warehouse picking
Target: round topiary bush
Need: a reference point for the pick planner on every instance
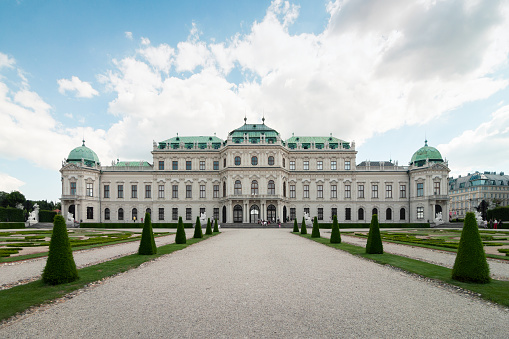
(147, 242)
(303, 229)
(180, 237)
(295, 226)
(197, 229)
(335, 236)
(60, 267)
(316, 229)
(374, 244)
(209, 227)
(470, 264)
(216, 228)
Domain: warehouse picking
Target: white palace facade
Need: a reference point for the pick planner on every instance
(253, 175)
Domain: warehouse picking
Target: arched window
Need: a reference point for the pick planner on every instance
(402, 214)
(388, 214)
(238, 187)
(271, 213)
(237, 161)
(361, 214)
(120, 214)
(224, 189)
(254, 187)
(284, 189)
(107, 214)
(237, 213)
(254, 160)
(135, 214)
(271, 189)
(271, 160)
(149, 211)
(374, 211)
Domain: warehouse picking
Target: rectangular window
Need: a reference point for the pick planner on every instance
(292, 165)
(388, 191)
(174, 213)
(202, 210)
(161, 213)
(292, 191)
(420, 212)
(319, 191)
(188, 165)
(374, 191)
(175, 165)
(161, 165)
(292, 213)
(347, 165)
(216, 191)
(148, 191)
(90, 190)
(319, 165)
(348, 191)
(436, 188)
(420, 189)
(189, 192)
(320, 213)
(202, 191)
(333, 191)
(120, 190)
(306, 191)
(333, 165)
(333, 212)
(361, 191)
(216, 165)
(106, 191)
(73, 188)
(348, 213)
(188, 213)
(216, 213)
(306, 165)
(202, 165)
(161, 191)
(134, 191)
(175, 191)
(306, 210)
(90, 213)
(402, 191)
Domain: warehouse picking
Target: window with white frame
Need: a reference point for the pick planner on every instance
(292, 165)
(319, 165)
(402, 191)
(175, 191)
(202, 191)
(306, 165)
(120, 191)
(292, 191)
(189, 191)
(333, 191)
(134, 191)
(148, 191)
(348, 191)
(90, 190)
(347, 165)
(216, 191)
(271, 188)
(161, 213)
(161, 191)
(254, 187)
(420, 212)
(188, 213)
(360, 191)
(420, 189)
(320, 213)
(306, 191)
(333, 165)
(202, 165)
(319, 191)
(106, 191)
(374, 191)
(388, 191)
(73, 188)
(436, 188)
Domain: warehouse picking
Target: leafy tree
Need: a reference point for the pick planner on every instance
(197, 229)
(3, 198)
(315, 233)
(209, 227)
(180, 237)
(14, 198)
(216, 228)
(147, 243)
(303, 229)
(374, 244)
(470, 264)
(295, 226)
(483, 209)
(60, 267)
(335, 236)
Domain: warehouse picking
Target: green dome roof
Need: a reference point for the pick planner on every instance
(426, 153)
(83, 153)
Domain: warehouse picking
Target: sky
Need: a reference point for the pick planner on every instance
(122, 74)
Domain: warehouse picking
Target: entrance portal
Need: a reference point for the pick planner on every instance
(271, 213)
(237, 213)
(254, 214)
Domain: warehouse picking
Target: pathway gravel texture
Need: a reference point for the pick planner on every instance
(264, 283)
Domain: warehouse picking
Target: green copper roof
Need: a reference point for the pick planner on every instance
(83, 153)
(254, 132)
(189, 142)
(426, 153)
(132, 164)
(318, 141)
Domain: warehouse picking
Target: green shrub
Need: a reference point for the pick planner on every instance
(216, 228)
(470, 264)
(60, 266)
(335, 236)
(46, 216)
(13, 225)
(303, 229)
(147, 242)
(209, 227)
(504, 250)
(295, 226)
(10, 214)
(315, 233)
(374, 243)
(180, 237)
(197, 229)
(132, 225)
(500, 213)
(380, 225)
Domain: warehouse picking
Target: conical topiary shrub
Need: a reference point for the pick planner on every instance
(147, 243)
(295, 226)
(60, 267)
(470, 264)
(303, 229)
(197, 229)
(209, 227)
(374, 244)
(316, 229)
(335, 236)
(216, 228)
(180, 237)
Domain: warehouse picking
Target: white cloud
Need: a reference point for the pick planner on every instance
(9, 184)
(83, 89)
(129, 35)
(145, 41)
(6, 61)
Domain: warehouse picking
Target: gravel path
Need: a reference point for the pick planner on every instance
(498, 269)
(264, 283)
(28, 270)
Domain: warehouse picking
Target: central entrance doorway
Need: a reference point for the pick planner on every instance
(237, 213)
(254, 214)
(271, 213)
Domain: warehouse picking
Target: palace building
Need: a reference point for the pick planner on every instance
(254, 175)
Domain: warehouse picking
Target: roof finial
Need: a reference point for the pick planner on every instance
(245, 118)
(263, 119)
(426, 142)
(83, 142)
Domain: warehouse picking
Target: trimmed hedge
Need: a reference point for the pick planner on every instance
(381, 225)
(198, 233)
(500, 213)
(9, 214)
(315, 233)
(374, 244)
(303, 229)
(46, 216)
(180, 237)
(131, 225)
(16, 225)
(335, 236)
(147, 242)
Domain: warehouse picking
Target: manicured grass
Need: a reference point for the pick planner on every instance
(19, 298)
(496, 291)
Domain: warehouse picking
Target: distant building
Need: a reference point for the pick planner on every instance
(254, 174)
(467, 192)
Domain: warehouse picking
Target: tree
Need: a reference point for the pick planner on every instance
(60, 267)
(335, 236)
(303, 229)
(147, 243)
(316, 229)
(374, 244)
(295, 226)
(197, 229)
(180, 237)
(14, 198)
(209, 227)
(483, 209)
(216, 228)
(470, 264)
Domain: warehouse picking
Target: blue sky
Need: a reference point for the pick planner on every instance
(124, 73)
